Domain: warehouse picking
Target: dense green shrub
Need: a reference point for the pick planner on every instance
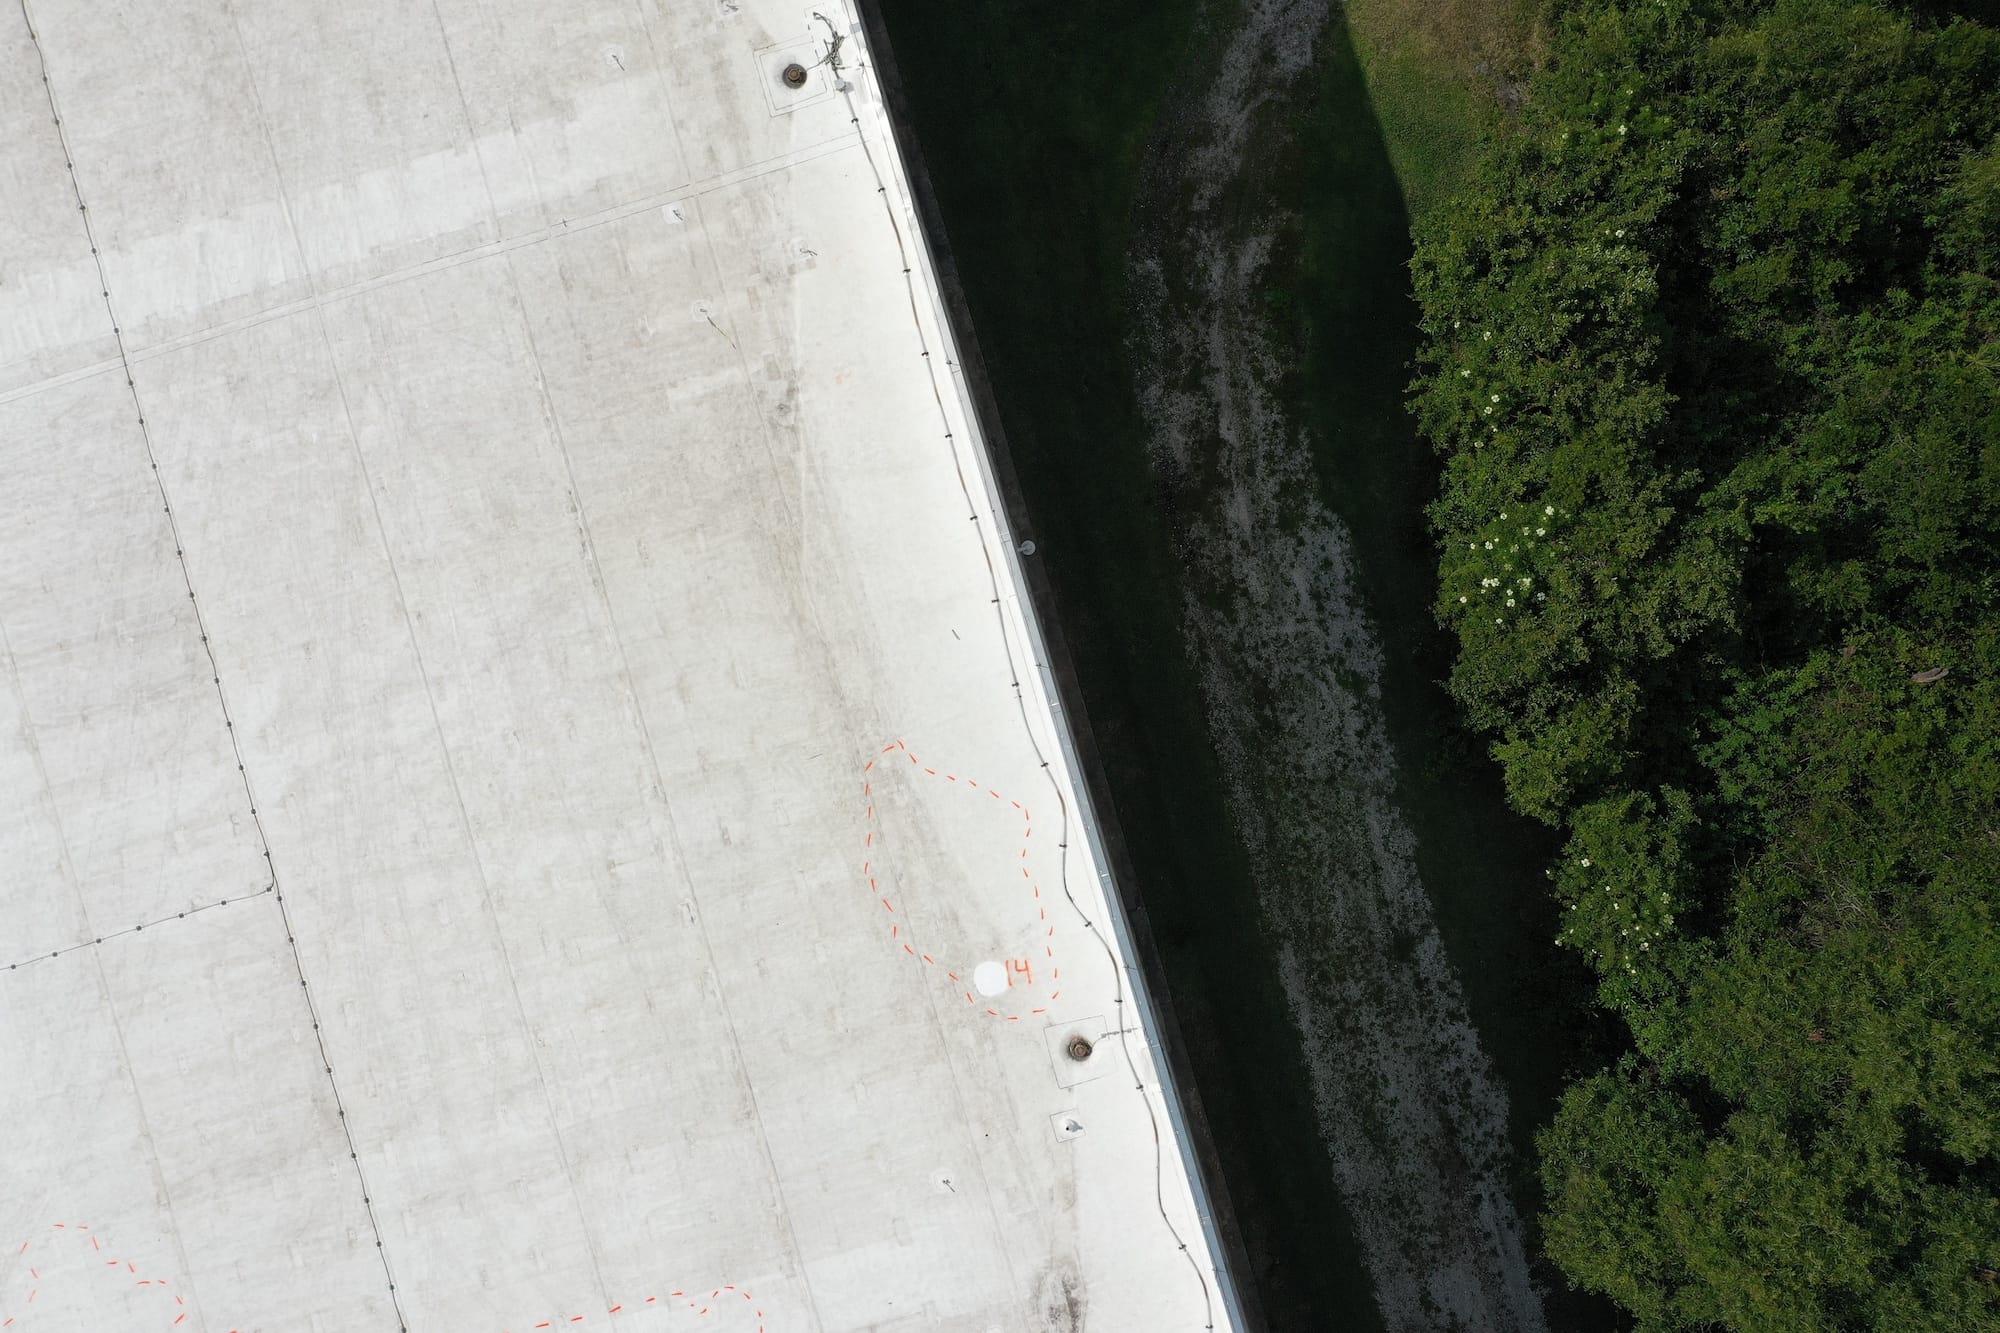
(1713, 364)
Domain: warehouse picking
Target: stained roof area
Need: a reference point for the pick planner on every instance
(525, 795)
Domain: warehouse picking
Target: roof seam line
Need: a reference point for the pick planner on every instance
(45, 955)
(208, 649)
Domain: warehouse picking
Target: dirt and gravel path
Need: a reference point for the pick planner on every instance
(1413, 1117)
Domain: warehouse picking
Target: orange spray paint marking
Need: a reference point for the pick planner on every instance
(58, 1260)
(1019, 972)
(695, 1304)
(62, 1253)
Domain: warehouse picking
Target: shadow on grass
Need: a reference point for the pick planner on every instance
(1033, 116)
(1483, 865)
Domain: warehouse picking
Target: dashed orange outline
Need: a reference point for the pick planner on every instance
(83, 1231)
(701, 1305)
(1027, 873)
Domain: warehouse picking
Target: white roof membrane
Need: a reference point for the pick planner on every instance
(525, 799)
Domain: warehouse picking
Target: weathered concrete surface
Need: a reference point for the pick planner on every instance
(463, 647)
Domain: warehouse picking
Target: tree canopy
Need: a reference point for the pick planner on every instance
(1712, 361)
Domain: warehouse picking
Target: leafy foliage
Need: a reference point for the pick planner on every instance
(1713, 362)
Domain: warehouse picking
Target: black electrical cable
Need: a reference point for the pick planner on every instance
(215, 671)
(831, 59)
